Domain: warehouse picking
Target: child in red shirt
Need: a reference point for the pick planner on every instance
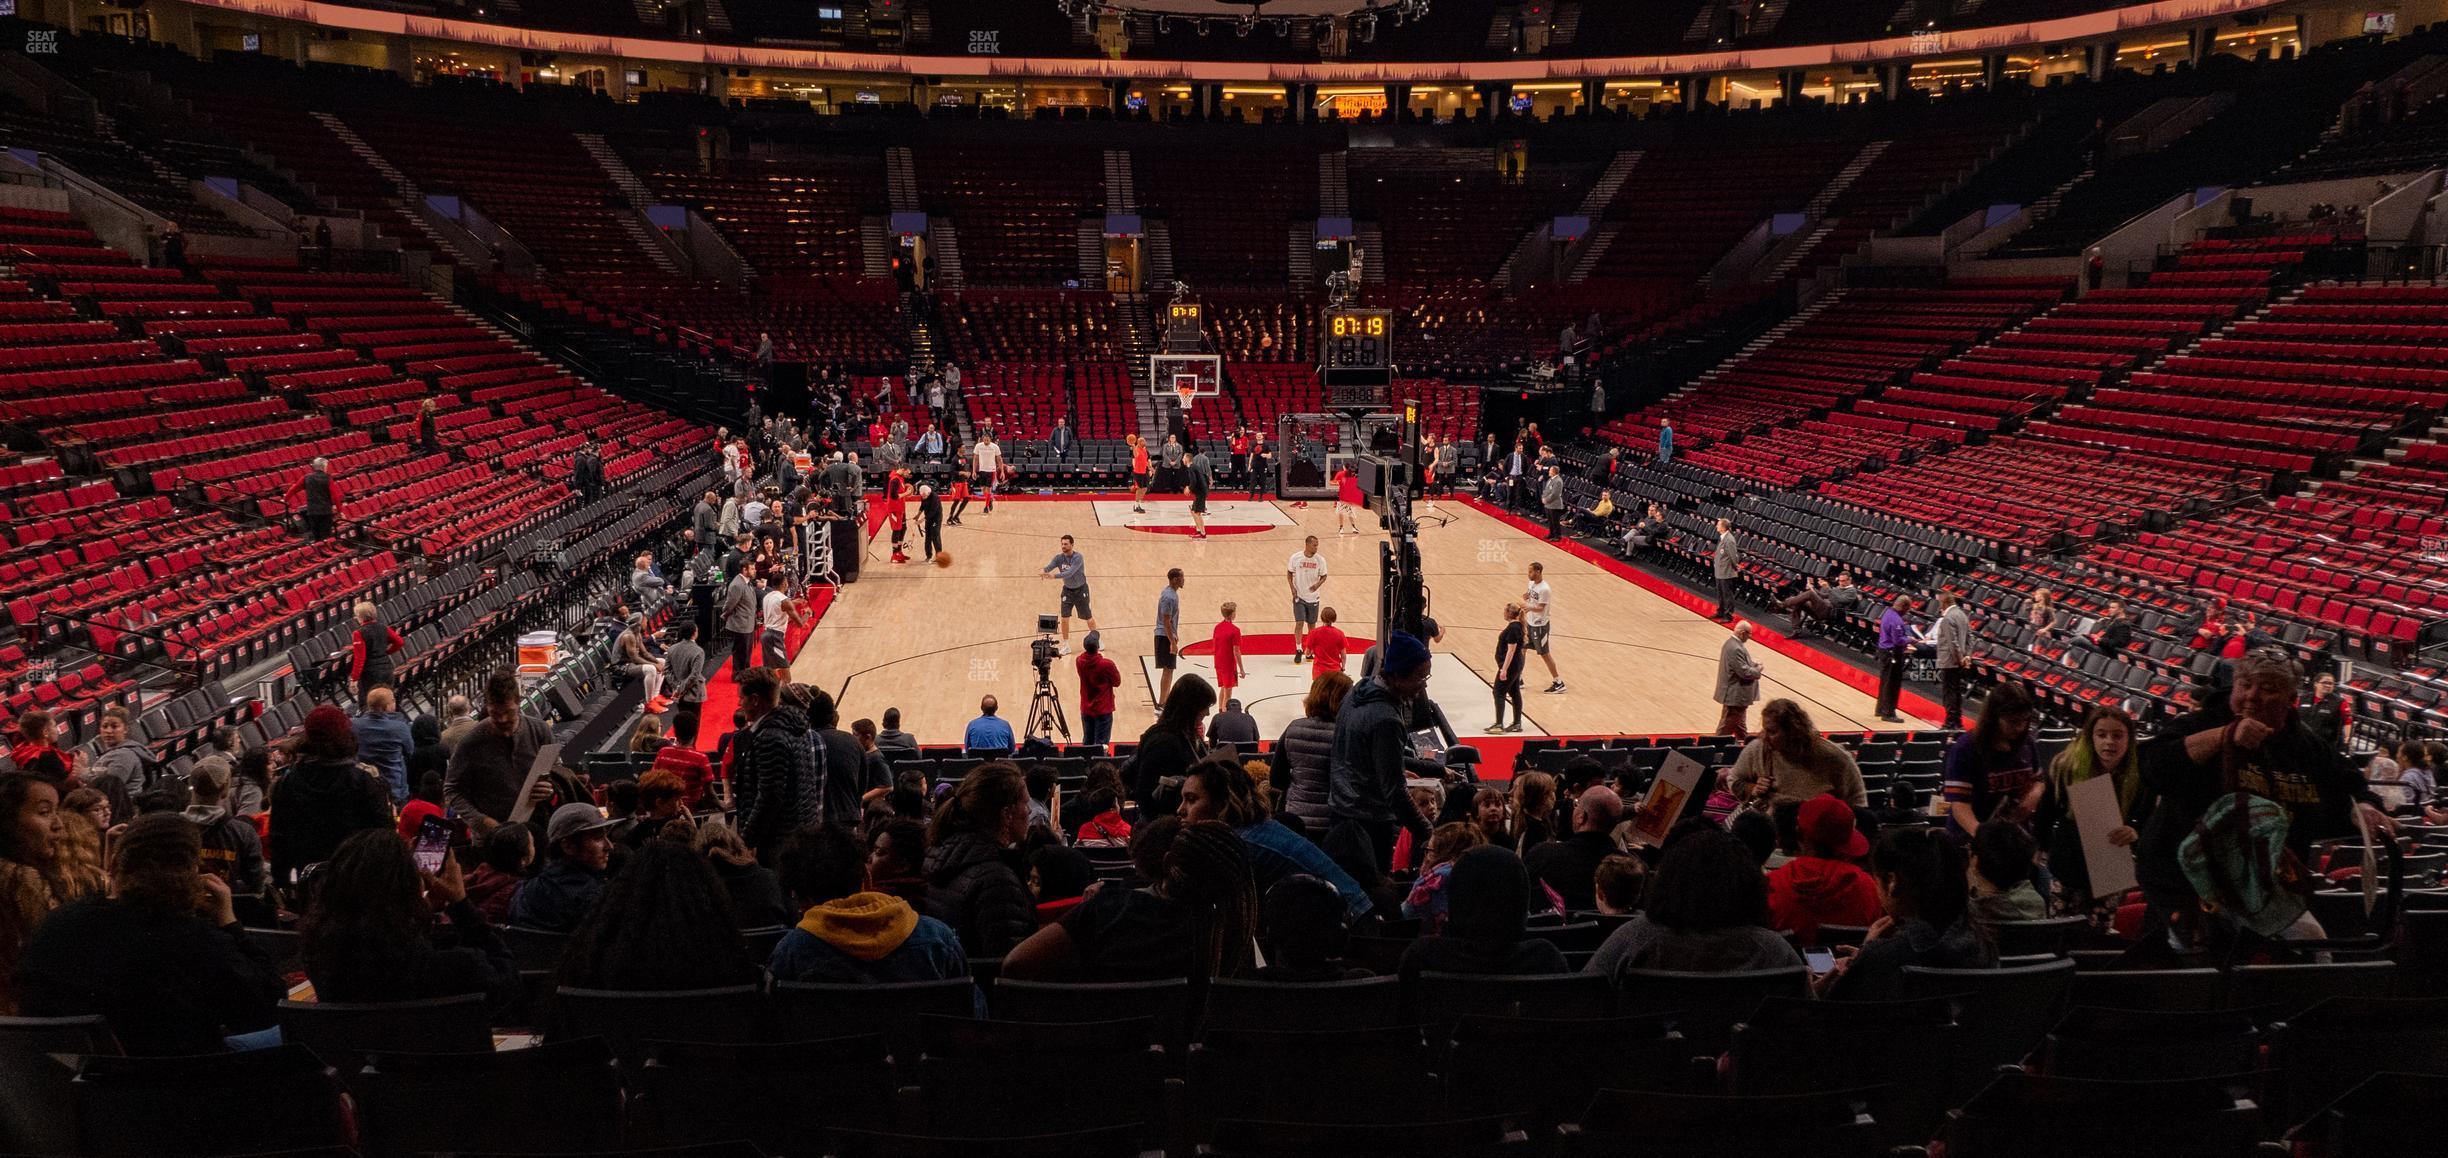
(1105, 827)
(1227, 642)
(1326, 644)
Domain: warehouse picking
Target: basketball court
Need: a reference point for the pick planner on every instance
(931, 641)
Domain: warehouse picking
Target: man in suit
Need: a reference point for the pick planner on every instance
(1061, 439)
(738, 610)
(1954, 639)
(587, 473)
(1551, 499)
(707, 517)
(1737, 684)
(1725, 562)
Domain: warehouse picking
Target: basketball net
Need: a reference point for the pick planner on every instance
(1186, 386)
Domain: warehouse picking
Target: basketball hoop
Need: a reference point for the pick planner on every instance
(1184, 377)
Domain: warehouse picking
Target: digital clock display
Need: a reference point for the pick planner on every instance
(1356, 340)
(1358, 325)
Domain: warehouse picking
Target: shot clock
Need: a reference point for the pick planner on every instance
(1356, 356)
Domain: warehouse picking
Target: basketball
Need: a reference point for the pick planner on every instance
(943, 558)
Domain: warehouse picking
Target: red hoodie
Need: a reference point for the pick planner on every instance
(1807, 892)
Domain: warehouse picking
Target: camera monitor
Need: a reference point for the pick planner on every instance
(1048, 624)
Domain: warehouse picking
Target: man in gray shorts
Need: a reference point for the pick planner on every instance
(1305, 572)
(1072, 568)
(1168, 634)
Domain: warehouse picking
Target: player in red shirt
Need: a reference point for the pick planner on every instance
(1348, 502)
(1139, 473)
(1228, 665)
(1327, 643)
(960, 499)
(892, 510)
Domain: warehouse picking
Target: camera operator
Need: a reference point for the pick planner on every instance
(1098, 677)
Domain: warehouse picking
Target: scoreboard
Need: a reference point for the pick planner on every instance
(1350, 339)
(1184, 324)
(1356, 356)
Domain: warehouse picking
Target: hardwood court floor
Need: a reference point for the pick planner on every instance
(931, 641)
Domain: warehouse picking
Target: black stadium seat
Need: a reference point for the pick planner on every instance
(1167, 1002)
(1836, 1123)
(1382, 1075)
(343, 1034)
(629, 1020)
(418, 1103)
(37, 1115)
(687, 1091)
(1543, 1070)
(1707, 1005)
(1438, 1000)
(810, 1011)
(263, 1101)
(1901, 1048)
(1488, 1137)
(1109, 1142)
(986, 1078)
(1360, 1004)
(2021, 1116)
(2004, 1012)
(2144, 1044)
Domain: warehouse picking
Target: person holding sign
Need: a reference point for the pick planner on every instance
(490, 765)
(2103, 750)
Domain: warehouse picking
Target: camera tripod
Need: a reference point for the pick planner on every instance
(1045, 714)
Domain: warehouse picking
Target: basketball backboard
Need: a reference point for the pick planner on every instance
(1181, 378)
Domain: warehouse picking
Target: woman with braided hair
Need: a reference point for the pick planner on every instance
(664, 923)
(1197, 920)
